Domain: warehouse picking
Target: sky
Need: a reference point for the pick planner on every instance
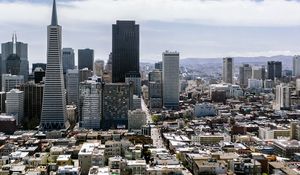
(195, 28)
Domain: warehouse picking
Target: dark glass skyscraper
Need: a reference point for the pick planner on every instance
(274, 70)
(85, 59)
(125, 50)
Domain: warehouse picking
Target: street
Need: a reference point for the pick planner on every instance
(155, 131)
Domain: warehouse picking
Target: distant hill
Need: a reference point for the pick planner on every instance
(286, 60)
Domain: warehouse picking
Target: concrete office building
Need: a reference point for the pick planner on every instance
(85, 74)
(54, 112)
(136, 119)
(99, 67)
(68, 59)
(11, 81)
(90, 100)
(15, 104)
(228, 70)
(72, 86)
(259, 73)
(170, 79)
(117, 100)
(135, 79)
(296, 66)
(86, 59)
(245, 75)
(125, 50)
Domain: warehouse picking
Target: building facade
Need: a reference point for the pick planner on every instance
(15, 104)
(91, 106)
(117, 100)
(86, 59)
(125, 50)
(274, 70)
(72, 86)
(10, 82)
(245, 75)
(54, 112)
(33, 100)
(68, 59)
(170, 79)
(228, 68)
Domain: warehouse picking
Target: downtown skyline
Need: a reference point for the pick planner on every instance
(200, 31)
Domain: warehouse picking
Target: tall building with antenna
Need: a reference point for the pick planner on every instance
(14, 59)
(54, 101)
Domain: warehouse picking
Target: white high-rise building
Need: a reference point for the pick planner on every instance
(10, 82)
(90, 95)
(54, 111)
(296, 66)
(228, 70)
(15, 104)
(170, 79)
(283, 97)
(72, 86)
(136, 119)
(68, 59)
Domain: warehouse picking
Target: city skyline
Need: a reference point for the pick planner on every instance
(200, 30)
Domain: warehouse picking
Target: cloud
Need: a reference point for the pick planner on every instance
(196, 28)
(206, 12)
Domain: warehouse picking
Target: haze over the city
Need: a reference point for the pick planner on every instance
(196, 28)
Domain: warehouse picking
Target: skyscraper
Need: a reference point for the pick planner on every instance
(33, 100)
(15, 52)
(68, 59)
(125, 50)
(296, 66)
(86, 59)
(228, 70)
(283, 97)
(245, 74)
(170, 79)
(117, 100)
(54, 102)
(72, 86)
(259, 73)
(10, 82)
(90, 100)
(99, 67)
(15, 104)
(274, 69)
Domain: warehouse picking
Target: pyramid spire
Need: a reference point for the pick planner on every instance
(54, 15)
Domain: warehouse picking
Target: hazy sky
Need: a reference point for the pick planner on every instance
(195, 28)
